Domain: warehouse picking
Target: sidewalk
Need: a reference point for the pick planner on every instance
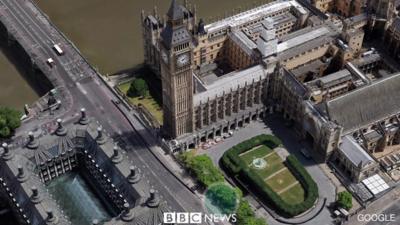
(338, 185)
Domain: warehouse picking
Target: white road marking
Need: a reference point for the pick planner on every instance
(81, 88)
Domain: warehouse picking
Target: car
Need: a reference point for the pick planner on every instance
(305, 153)
(50, 62)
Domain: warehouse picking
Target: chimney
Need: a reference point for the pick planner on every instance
(127, 214)
(116, 157)
(154, 200)
(7, 155)
(101, 139)
(35, 197)
(61, 131)
(51, 218)
(32, 143)
(134, 176)
(84, 120)
(22, 176)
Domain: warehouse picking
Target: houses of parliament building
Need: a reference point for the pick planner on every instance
(286, 57)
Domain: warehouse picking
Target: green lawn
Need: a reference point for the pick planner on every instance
(149, 103)
(256, 152)
(274, 163)
(281, 180)
(293, 195)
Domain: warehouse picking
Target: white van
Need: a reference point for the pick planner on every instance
(58, 49)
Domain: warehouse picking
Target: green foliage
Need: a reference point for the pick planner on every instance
(255, 221)
(234, 165)
(138, 87)
(345, 200)
(223, 196)
(203, 168)
(243, 212)
(186, 157)
(245, 215)
(9, 121)
(239, 192)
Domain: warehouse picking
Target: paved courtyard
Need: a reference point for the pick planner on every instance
(275, 126)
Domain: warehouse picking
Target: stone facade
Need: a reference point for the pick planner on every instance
(345, 8)
(279, 58)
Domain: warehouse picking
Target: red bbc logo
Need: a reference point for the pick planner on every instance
(182, 218)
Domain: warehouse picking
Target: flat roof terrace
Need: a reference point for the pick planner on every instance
(253, 14)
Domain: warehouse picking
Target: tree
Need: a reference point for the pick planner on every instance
(255, 221)
(186, 157)
(345, 200)
(10, 119)
(224, 197)
(243, 212)
(138, 88)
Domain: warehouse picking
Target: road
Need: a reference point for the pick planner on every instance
(88, 91)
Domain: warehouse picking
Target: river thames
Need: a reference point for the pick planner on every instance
(108, 33)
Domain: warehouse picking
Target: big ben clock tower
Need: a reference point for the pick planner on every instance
(176, 74)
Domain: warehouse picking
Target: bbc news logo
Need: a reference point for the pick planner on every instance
(197, 218)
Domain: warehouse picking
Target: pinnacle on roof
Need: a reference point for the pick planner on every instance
(175, 11)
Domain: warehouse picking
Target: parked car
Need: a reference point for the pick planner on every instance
(305, 153)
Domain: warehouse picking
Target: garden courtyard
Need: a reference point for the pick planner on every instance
(266, 169)
(270, 167)
(148, 102)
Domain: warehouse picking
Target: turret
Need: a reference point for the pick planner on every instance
(200, 28)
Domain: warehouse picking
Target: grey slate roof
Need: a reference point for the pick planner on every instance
(293, 83)
(243, 41)
(354, 152)
(366, 104)
(175, 36)
(336, 77)
(175, 11)
(229, 83)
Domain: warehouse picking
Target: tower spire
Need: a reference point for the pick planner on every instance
(175, 11)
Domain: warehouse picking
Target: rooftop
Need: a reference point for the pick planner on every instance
(228, 83)
(303, 38)
(367, 104)
(253, 14)
(354, 152)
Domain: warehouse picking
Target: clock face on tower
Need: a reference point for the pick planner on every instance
(182, 59)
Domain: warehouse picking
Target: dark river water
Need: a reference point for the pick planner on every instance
(107, 32)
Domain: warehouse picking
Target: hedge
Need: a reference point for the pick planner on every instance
(232, 163)
(231, 159)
